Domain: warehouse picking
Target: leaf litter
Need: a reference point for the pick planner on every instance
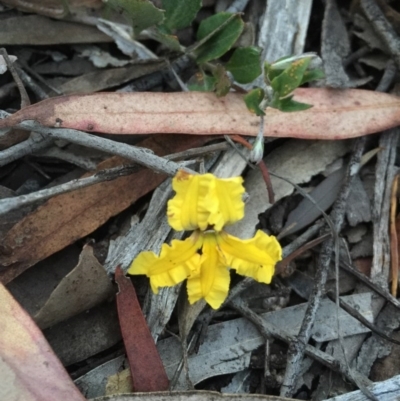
(121, 216)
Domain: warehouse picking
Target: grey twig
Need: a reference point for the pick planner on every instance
(384, 174)
(24, 95)
(133, 153)
(369, 283)
(8, 204)
(298, 346)
(237, 6)
(33, 144)
(388, 77)
(31, 84)
(196, 152)
(70, 157)
(383, 28)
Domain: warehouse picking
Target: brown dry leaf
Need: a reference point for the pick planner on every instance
(83, 288)
(52, 8)
(103, 79)
(336, 114)
(29, 370)
(119, 383)
(147, 369)
(38, 30)
(394, 251)
(65, 218)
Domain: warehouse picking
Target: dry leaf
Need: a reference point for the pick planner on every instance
(83, 288)
(38, 30)
(119, 383)
(29, 370)
(52, 8)
(336, 114)
(67, 217)
(147, 369)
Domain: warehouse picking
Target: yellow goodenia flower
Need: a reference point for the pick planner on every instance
(206, 203)
(208, 273)
(204, 200)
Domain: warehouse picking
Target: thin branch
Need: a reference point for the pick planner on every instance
(24, 95)
(33, 144)
(8, 204)
(138, 155)
(383, 28)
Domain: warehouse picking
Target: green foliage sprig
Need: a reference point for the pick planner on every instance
(216, 36)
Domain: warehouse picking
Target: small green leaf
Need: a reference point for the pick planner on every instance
(141, 13)
(291, 78)
(180, 13)
(202, 82)
(271, 73)
(312, 75)
(245, 64)
(287, 104)
(220, 40)
(253, 100)
(159, 34)
(223, 83)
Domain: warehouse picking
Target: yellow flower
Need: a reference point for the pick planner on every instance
(203, 201)
(206, 203)
(208, 271)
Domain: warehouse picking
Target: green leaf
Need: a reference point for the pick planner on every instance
(291, 78)
(253, 100)
(170, 41)
(202, 82)
(218, 41)
(312, 75)
(141, 13)
(271, 73)
(287, 104)
(245, 64)
(180, 13)
(223, 83)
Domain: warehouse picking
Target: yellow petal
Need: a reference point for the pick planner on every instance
(228, 194)
(189, 209)
(212, 281)
(175, 263)
(205, 200)
(255, 257)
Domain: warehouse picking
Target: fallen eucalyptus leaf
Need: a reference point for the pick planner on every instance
(336, 114)
(83, 288)
(29, 369)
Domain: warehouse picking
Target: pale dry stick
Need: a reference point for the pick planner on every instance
(195, 152)
(133, 153)
(8, 204)
(370, 284)
(70, 157)
(33, 144)
(31, 84)
(237, 6)
(362, 51)
(360, 317)
(24, 95)
(383, 28)
(38, 77)
(298, 345)
(380, 211)
(388, 77)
